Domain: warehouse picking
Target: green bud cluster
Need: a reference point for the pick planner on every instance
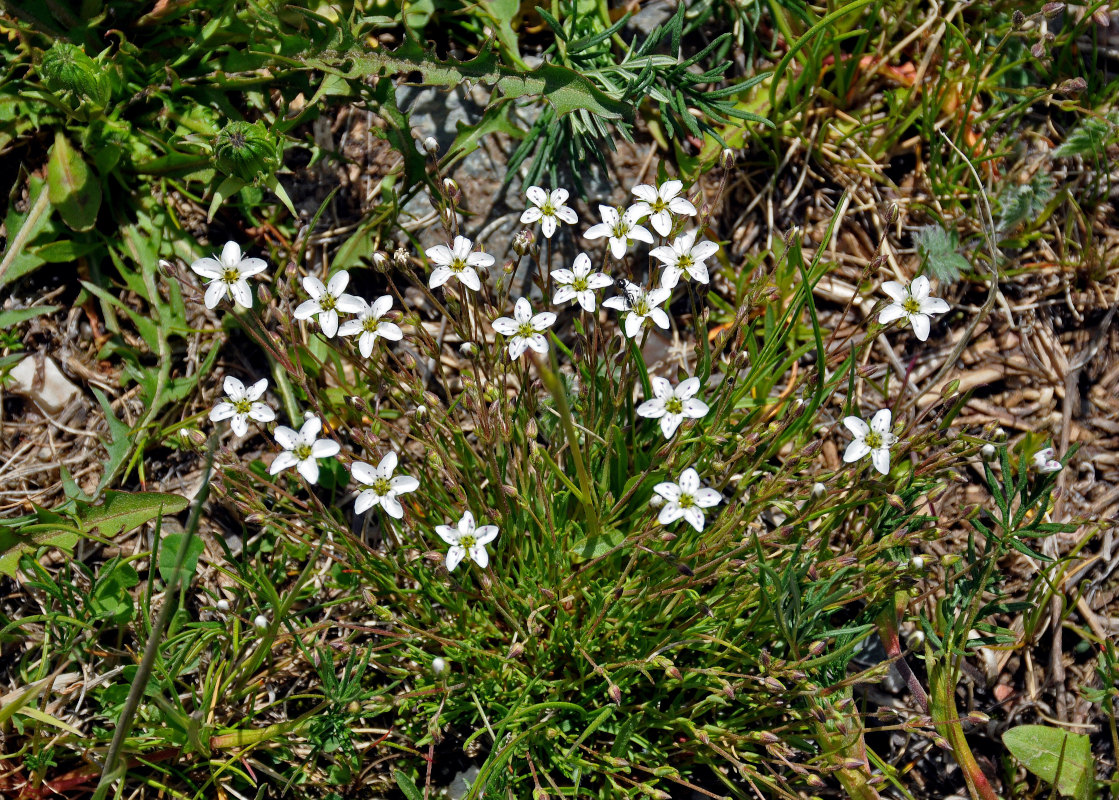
(67, 70)
(245, 150)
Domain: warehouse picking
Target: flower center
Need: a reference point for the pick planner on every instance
(230, 275)
(641, 307)
(674, 405)
(548, 210)
(659, 205)
(327, 302)
(526, 330)
(911, 305)
(685, 501)
(621, 229)
(302, 451)
(243, 406)
(685, 261)
(873, 440)
(468, 541)
(579, 284)
(457, 265)
(381, 486)
(370, 324)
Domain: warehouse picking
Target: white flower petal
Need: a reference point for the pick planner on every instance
(282, 461)
(214, 293)
(517, 346)
(855, 450)
(695, 408)
(207, 267)
(392, 507)
(469, 279)
(363, 472)
(651, 409)
(222, 411)
(439, 276)
(439, 254)
(466, 524)
(480, 556)
(537, 195)
(309, 469)
(689, 481)
(644, 191)
(934, 305)
(231, 254)
(880, 458)
(325, 448)
(388, 464)
(506, 326)
(262, 413)
(921, 326)
(538, 342)
(328, 322)
(531, 215)
(856, 426)
(563, 294)
(882, 421)
(891, 312)
(242, 294)
(895, 290)
(402, 484)
(695, 517)
(307, 309)
(522, 311)
(239, 424)
(920, 287)
(286, 437)
(669, 514)
(669, 424)
(705, 498)
(454, 557)
(447, 534)
(314, 287)
(548, 227)
(668, 490)
(486, 534)
(365, 501)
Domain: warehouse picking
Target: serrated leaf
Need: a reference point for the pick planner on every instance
(938, 246)
(72, 188)
(1090, 137)
(1061, 759)
(126, 511)
(1020, 203)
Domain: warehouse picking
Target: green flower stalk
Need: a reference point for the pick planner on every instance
(245, 150)
(66, 70)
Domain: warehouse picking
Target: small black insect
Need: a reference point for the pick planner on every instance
(631, 292)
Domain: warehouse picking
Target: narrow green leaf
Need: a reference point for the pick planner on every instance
(407, 786)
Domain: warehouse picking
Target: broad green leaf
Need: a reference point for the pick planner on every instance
(169, 554)
(15, 542)
(126, 511)
(1061, 759)
(593, 547)
(72, 188)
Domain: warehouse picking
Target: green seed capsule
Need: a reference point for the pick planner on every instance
(65, 69)
(245, 150)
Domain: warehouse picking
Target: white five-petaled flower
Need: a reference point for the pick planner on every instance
(657, 203)
(549, 208)
(578, 283)
(685, 499)
(327, 301)
(672, 406)
(641, 305)
(227, 274)
(383, 486)
(620, 228)
(913, 303)
(525, 329)
(1045, 461)
(466, 540)
(368, 325)
(875, 438)
(457, 261)
(683, 256)
(302, 449)
(241, 405)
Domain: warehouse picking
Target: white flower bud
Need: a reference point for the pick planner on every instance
(261, 622)
(917, 562)
(431, 146)
(656, 501)
(818, 490)
(438, 665)
(223, 605)
(987, 452)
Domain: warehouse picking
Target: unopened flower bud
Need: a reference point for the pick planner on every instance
(515, 651)
(468, 349)
(656, 501)
(381, 262)
(1072, 86)
(1018, 19)
(245, 150)
(728, 158)
(66, 69)
(438, 665)
(987, 451)
(223, 605)
(917, 563)
(818, 490)
(1038, 50)
(522, 242)
(421, 412)
(261, 622)
(531, 430)
(1051, 10)
(430, 145)
(615, 694)
(978, 718)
